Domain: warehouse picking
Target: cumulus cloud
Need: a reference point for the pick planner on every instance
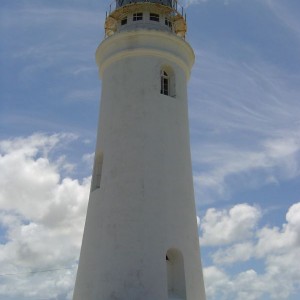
(216, 281)
(236, 253)
(277, 247)
(228, 226)
(276, 240)
(42, 218)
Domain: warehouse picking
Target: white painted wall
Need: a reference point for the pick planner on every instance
(145, 204)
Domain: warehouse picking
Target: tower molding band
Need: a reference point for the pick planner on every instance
(143, 52)
(145, 42)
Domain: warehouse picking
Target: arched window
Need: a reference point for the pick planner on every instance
(167, 81)
(175, 274)
(164, 83)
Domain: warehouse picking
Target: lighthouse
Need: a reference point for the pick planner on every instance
(140, 239)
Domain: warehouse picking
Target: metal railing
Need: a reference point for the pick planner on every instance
(176, 7)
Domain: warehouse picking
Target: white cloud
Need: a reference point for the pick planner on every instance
(278, 248)
(216, 281)
(293, 216)
(279, 240)
(42, 218)
(248, 286)
(225, 227)
(230, 255)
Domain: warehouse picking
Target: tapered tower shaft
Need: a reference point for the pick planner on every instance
(140, 240)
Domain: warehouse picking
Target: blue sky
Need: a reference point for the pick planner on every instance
(245, 140)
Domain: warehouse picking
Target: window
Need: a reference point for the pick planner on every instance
(137, 16)
(168, 22)
(164, 83)
(124, 21)
(175, 274)
(154, 17)
(167, 81)
(97, 172)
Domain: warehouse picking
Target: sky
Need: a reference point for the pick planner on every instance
(244, 111)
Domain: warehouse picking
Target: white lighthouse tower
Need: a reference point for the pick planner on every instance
(140, 240)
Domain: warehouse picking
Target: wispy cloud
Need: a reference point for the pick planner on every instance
(84, 95)
(277, 159)
(245, 118)
(288, 15)
(48, 49)
(232, 95)
(60, 44)
(32, 15)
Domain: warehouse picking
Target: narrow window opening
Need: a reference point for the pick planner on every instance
(164, 88)
(97, 172)
(154, 17)
(167, 81)
(175, 274)
(168, 22)
(137, 16)
(124, 21)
